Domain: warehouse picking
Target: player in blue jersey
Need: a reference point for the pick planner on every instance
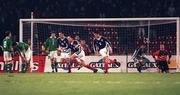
(64, 50)
(102, 48)
(78, 54)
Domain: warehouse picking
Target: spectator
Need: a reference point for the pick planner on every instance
(43, 49)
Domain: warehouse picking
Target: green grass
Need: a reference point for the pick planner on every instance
(90, 84)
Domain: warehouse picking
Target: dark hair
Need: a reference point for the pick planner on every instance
(96, 32)
(7, 33)
(75, 43)
(52, 32)
(60, 33)
(72, 36)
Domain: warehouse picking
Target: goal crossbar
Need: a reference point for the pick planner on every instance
(101, 19)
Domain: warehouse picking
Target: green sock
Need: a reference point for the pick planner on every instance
(53, 66)
(10, 67)
(22, 68)
(26, 67)
(56, 67)
(5, 67)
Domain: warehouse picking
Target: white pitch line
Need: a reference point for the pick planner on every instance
(109, 82)
(157, 82)
(139, 82)
(112, 82)
(50, 81)
(118, 82)
(96, 82)
(73, 82)
(177, 82)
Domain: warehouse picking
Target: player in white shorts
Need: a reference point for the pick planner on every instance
(102, 48)
(25, 52)
(7, 48)
(51, 47)
(78, 54)
(64, 50)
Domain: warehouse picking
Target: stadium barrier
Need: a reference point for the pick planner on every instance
(125, 64)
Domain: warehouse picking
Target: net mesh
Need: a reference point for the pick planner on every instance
(124, 36)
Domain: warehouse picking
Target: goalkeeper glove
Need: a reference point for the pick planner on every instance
(169, 62)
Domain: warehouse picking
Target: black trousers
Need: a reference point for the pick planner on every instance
(163, 66)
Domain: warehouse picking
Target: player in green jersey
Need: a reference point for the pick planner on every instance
(7, 54)
(51, 47)
(25, 52)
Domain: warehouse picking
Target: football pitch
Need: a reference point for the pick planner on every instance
(90, 84)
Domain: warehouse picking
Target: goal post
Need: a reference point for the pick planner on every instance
(125, 34)
(178, 43)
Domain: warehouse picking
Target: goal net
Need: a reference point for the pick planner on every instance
(124, 34)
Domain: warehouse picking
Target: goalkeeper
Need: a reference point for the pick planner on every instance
(25, 52)
(162, 57)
